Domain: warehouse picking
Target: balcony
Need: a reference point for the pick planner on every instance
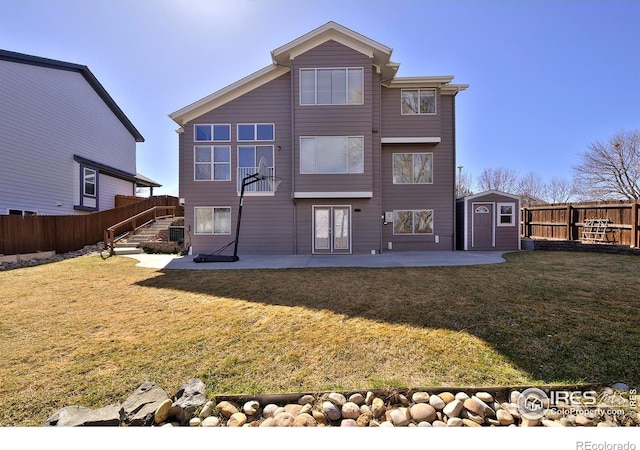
(262, 187)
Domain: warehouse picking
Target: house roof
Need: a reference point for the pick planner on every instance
(282, 56)
(82, 70)
(482, 194)
(137, 178)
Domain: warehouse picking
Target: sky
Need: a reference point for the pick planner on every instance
(547, 78)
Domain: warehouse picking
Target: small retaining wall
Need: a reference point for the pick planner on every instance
(577, 246)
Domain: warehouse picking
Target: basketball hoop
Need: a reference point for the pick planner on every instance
(264, 174)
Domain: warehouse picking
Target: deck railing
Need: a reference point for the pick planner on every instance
(133, 223)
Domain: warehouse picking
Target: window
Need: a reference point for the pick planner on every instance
(413, 221)
(418, 101)
(212, 220)
(256, 132)
(331, 86)
(21, 212)
(332, 154)
(506, 214)
(412, 168)
(249, 157)
(212, 163)
(90, 179)
(212, 133)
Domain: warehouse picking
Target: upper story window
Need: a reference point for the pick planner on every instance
(418, 101)
(332, 154)
(90, 181)
(343, 86)
(212, 133)
(256, 132)
(249, 157)
(412, 168)
(212, 163)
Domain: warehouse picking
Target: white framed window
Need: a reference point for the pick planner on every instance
(212, 219)
(418, 101)
(331, 154)
(212, 163)
(413, 221)
(412, 168)
(217, 132)
(249, 157)
(506, 214)
(336, 86)
(256, 132)
(89, 182)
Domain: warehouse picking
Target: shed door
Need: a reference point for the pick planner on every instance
(482, 236)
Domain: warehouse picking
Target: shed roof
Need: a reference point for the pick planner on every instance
(22, 58)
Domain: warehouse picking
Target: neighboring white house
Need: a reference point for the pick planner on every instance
(66, 146)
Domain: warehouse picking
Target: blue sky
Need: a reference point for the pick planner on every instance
(546, 77)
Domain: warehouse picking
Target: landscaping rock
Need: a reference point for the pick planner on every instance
(422, 412)
(237, 420)
(504, 417)
(357, 398)
(140, 407)
(485, 397)
(304, 420)
(447, 397)
(350, 411)
(401, 417)
(207, 410)
(227, 409)
(190, 396)
(337, 398)
(331, 411)
(377, 407)
(475, 406)
(210, 422)
(420, 397)
(437, 402)
(79, 416)
(162, 412)
(453, 409)
(306, 399)
(348, 423)
(283, 419)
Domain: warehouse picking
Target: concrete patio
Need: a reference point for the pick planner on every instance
(397, 259)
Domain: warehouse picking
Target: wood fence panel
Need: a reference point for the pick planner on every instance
(30, 234)
(566, 221)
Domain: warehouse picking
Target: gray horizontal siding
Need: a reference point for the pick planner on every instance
(267, 221)
(334, 120)
(47, 116)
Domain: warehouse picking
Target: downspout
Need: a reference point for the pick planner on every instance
(380, 122)
(455, 156)
(293, 168)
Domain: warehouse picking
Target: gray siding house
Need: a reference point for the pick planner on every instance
(66, 147)
(366, 158)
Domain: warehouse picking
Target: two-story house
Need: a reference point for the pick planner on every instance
(366, 158)
(66, 146)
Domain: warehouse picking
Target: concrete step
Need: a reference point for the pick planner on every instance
(127, 251)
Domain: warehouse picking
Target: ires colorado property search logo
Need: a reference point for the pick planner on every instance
(533, 403)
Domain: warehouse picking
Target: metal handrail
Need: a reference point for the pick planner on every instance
(109, 233)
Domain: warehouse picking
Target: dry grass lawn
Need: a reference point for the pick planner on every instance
(88, 331)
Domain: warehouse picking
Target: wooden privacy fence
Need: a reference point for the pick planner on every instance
(30, 234)
(567, 221)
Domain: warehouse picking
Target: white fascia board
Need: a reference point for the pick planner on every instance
(411, 140)
(350, 194)
(415, 82)
(481, 194)
(330, 30)
(228, 93)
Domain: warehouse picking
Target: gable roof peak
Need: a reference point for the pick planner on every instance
(379, 53)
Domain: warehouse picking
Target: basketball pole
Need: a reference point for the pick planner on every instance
(246, 181)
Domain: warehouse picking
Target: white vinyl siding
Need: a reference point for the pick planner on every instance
(72, 120)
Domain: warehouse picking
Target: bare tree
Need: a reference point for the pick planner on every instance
(464, 184)
(561, 190)
(500, 179)
(611, 169)
(532, 188)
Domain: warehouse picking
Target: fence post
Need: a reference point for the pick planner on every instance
(569, 223)
(634, 224)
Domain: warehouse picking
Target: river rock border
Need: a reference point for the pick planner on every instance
(149, 405)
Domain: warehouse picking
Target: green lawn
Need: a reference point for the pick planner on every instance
(88, 331)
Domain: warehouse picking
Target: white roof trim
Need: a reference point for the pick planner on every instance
(228, 93)
(481, 194)
(361, 194)
(411, 140)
